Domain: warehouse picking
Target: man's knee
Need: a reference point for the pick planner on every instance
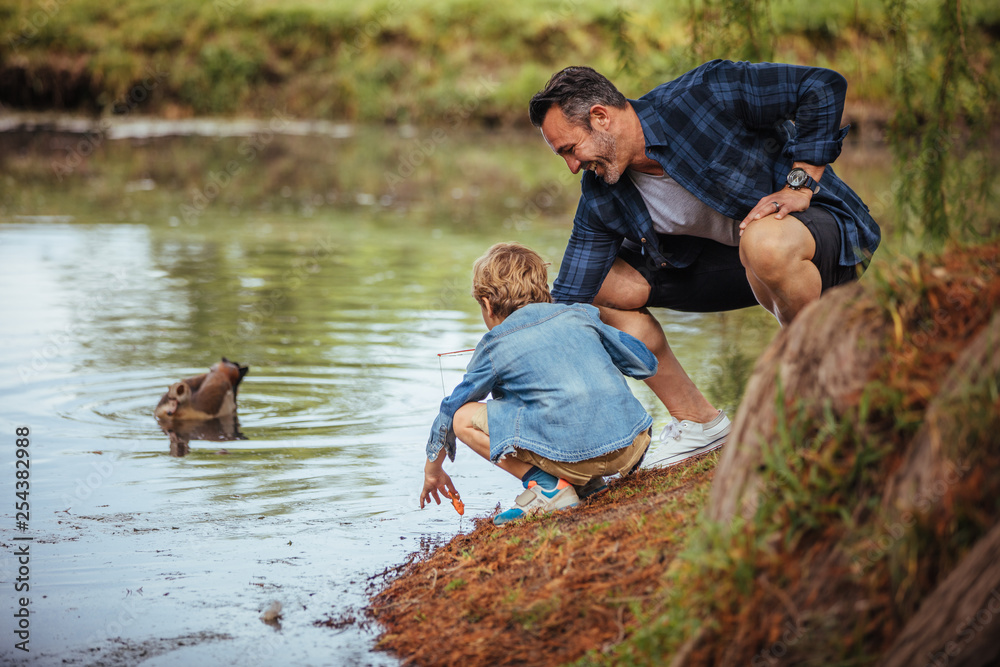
(769, 251)
(623, 288)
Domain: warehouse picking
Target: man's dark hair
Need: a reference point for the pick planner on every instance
(574, 90)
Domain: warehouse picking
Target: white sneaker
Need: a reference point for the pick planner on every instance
(680, 440)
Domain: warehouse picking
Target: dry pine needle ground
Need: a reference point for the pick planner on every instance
(546, 589)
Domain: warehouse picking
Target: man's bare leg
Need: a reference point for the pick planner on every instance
(778, 256)
(622, 301)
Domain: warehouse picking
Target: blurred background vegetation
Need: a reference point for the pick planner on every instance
(923, 74)
(389, 60)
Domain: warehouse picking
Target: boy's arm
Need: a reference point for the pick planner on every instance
(628, 353)
(436, 480)
(475, 385)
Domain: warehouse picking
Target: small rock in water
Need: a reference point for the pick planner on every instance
(272, 613)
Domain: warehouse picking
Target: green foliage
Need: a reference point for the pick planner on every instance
(729, 378)
(222, 77)
(598, 526)
(377, 60)
(536, 613)
(454, 585)
(732, 29)
(946, 99)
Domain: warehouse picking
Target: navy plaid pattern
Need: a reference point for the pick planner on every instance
(728, 133)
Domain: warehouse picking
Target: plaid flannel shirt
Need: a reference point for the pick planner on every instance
(724, 132)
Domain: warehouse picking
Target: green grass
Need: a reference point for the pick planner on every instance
(421, 61)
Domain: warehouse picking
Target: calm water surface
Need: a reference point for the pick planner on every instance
(336, 266)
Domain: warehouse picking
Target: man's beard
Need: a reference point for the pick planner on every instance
(606, 146)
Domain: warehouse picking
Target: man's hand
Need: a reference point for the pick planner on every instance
(436, 480)
(779, 205)
(787, 199)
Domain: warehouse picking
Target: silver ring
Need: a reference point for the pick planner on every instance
(777, 206)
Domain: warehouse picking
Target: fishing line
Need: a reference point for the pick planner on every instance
(441, 365)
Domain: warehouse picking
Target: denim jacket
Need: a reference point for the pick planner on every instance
(555, 372)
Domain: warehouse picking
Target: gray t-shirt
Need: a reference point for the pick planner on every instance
(676, 211)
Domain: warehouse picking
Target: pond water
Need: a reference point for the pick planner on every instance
(335, 262)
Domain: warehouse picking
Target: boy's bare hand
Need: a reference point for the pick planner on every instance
(436, 481)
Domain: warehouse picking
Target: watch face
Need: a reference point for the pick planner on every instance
(797, 177)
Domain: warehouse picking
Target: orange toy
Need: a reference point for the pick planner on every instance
(459, 505)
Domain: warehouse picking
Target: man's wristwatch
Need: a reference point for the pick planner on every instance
(798, 179)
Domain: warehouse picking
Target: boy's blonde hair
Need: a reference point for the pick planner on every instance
(510, 276)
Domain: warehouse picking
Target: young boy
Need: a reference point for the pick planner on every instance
(562, 416)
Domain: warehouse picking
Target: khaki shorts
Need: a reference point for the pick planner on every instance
(578, 473)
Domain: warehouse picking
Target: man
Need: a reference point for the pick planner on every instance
(703, 196)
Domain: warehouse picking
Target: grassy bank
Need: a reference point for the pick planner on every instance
(829, 560)
(421, 61)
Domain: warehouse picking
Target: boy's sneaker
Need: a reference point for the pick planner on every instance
(680, 440)
(594, 487)
(538, 500)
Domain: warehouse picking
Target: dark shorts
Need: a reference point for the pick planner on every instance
(826, 232)
(717, 281)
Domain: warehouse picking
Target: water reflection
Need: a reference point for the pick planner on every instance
(219, 429)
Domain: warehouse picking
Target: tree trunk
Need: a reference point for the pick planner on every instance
(959, 623)
(938, 456)
(827, 353)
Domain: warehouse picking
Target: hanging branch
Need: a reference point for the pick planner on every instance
(939, 193)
